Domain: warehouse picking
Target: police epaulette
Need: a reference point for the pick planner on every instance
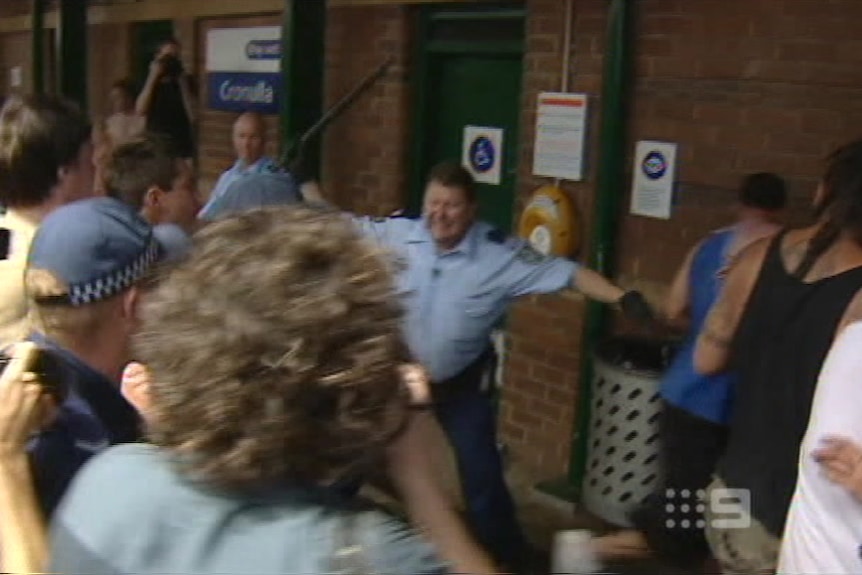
(497, 236)
(402, 215)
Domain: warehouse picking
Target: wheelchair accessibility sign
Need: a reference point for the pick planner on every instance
(482, 153)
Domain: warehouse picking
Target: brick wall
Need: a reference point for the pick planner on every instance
(740, 86)
(15, 51)
(771, 85)
(365, 151)
(364, 164)
(106, 66)
(541, 387)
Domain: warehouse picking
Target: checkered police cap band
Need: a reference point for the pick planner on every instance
(111, 284)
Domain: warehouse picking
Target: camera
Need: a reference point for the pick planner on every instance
(172, 65)
(48, 371)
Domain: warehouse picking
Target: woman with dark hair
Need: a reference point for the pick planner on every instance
(783, 303)
(276, 362)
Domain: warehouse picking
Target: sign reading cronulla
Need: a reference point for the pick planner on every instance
(243, 69)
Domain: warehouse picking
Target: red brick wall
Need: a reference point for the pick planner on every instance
(770, 85)
(364, 164)
(541, 387)
(366, 150)
(106, 66)
(740, 86)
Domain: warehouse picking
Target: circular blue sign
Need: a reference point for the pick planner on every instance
(654, 165)
(482, 154)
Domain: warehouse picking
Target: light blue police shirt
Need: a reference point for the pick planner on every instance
(455, 299)
(232, 174)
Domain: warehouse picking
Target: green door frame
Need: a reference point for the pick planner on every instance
(71, 45)
(37, 38)
(616, 89)
(425, 49)
(303, 36)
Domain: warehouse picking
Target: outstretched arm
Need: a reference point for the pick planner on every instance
(414, 467)
(596, 286)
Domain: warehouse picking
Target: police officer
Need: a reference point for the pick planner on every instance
(460, 276)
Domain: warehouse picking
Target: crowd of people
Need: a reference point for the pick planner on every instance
(758, 409)
(240, 371)
(207, 387)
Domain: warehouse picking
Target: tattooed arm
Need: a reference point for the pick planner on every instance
(712, 351)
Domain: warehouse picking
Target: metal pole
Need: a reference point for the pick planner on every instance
(611, 179)
(302, 68)
(72, 50)
(37, 46)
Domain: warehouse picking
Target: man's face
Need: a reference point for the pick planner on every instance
(180, 204)
(448, 214)
(248, 139)
(77, 180)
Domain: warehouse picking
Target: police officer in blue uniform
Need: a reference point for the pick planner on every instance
(458, 278)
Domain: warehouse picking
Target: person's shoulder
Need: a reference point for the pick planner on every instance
(751, 256)
(399, 221)
(852, 333)
(119, 464)
(119, 476)
(501, 242)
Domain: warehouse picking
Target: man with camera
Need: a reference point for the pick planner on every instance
(166, 99)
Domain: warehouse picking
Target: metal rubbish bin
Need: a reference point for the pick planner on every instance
(622, 458)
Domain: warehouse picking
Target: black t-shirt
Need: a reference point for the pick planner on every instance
(781, 343)
(167, 116)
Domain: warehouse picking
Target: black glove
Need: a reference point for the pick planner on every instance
(636, 307)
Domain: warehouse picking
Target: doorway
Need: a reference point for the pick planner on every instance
(469, 72)
(146, 38)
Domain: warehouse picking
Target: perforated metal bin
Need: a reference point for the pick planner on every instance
(622, 459)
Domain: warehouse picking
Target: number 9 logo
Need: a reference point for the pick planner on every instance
(732, 505)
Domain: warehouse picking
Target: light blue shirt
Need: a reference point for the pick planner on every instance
(131, 510)
(232, 174)
(455, 299)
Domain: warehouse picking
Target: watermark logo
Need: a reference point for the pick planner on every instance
(724, 508)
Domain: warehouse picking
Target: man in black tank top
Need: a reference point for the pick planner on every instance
(782, 305)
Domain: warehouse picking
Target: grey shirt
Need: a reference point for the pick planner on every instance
(130, 511)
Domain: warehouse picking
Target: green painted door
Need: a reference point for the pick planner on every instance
(470, 75)
(146, 38)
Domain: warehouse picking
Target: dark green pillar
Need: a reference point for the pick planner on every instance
(609, 192)
(72, 50)
(37, 46)
(302, 69)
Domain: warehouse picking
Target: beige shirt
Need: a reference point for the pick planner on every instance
(13, 299)
(124, 127)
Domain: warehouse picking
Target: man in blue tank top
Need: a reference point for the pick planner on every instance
(696, 407)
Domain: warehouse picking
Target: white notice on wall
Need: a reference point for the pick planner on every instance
(16, 79)
(483, 153)
(654, 175)
(561, 121)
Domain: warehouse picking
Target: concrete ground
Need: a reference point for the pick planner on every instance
(543, 515)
